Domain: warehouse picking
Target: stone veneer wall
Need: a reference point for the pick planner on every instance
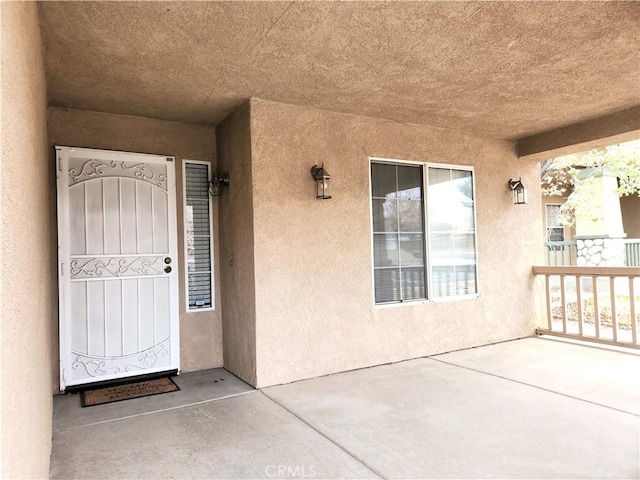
(601, 252)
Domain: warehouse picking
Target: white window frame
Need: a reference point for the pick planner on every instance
(466, 168)
(425, 196)
(546, 222)
(184, 228)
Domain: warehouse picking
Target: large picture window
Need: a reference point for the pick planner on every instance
(197, 225)
(421, 254)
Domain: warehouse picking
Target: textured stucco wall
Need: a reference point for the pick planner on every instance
(424, 62)
(200, 332)
(313, 265)
(28, 300)
(237, 245)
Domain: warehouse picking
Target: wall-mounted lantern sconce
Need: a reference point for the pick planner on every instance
(519, 191)
(216, 183)
(323, 180)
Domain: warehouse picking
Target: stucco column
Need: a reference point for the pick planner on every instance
(599, 230)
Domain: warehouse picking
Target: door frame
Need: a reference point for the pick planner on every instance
(64, 255)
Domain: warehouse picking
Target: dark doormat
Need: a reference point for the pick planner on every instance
(117, 393)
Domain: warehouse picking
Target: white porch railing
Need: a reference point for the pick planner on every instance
(565, 253)
(599, 304)
(561, 253)
(632, 252)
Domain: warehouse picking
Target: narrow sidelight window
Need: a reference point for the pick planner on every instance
(198, 245)
(398, 232)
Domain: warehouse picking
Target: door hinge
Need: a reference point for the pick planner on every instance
(64, 375)
(62, 269)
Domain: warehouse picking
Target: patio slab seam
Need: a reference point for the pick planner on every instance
(168, 409)
(329, 439)
(534, 386)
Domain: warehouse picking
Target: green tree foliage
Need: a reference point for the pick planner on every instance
(560, 176)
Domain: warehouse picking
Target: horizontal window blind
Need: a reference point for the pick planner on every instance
(406, 250)
(398, 232)
(452, 232)
(198, 236)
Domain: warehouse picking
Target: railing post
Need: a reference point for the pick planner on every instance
(573, 254)
(621, 334)
(596, 310)
(614, 316)
(579, 304)
(632, 252)
(548, 291)
(634, 323)
(563, 302)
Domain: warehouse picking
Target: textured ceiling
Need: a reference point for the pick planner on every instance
(506, 70)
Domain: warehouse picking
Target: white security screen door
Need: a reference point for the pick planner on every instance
(117, 255)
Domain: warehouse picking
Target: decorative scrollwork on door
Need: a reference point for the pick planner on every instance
(90, 169)
(144, 172)
(149, 358)
(82, 170)
(103, 267)
(94, 366)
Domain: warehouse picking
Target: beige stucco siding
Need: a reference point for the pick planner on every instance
(569, 232)
(313, 260)
(237, 245)
(200, 332)
(28, 300)
(630, 207)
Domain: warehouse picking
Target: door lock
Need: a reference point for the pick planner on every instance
(167, 269)
(167, 260)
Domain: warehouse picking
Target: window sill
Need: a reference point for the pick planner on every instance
(200, 310)
(426, 301)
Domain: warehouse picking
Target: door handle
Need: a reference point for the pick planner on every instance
(167, 269)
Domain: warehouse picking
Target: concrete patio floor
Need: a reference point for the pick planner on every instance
(530, 408)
